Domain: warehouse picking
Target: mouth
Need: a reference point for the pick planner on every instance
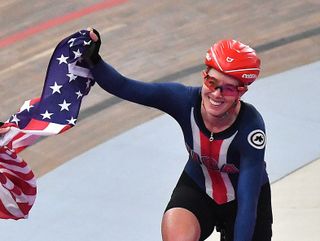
(215, 103)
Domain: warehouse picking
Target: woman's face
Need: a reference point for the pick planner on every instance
(219, 92)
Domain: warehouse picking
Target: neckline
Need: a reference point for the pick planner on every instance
(217, 135)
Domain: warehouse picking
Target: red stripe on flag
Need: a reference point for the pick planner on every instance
(36, 125)
(67, 127)
(21, 182)
(3, 211)
(16, 180)
(34, 101)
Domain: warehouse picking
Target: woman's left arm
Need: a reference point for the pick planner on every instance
(251, 171)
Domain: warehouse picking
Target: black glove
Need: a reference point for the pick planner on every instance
(91, 55)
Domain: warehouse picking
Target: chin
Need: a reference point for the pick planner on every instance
(216, 111)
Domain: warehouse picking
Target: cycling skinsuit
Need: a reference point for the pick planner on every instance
(228, 166)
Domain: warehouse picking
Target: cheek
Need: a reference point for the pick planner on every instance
(205, 95)
(205, 90)
(230, 99)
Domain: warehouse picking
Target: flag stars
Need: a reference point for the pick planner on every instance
(72, 121)
(77, 54)
(46, 115)
(56, 88)
(71, 77)
(79, 94)
(86, 43)
(15, 119)
(71, 42)
(64, 106)
(62, 59)
(26, 106)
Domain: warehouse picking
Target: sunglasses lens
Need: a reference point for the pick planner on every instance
(229, 90)
(210, 84)
(226, 90)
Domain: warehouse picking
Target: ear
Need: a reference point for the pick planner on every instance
(242, 90)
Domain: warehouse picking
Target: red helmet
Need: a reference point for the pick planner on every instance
(235, 59)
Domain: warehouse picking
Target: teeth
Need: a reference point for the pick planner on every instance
(215, 103)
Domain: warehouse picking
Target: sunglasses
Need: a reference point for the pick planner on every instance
(225, 89)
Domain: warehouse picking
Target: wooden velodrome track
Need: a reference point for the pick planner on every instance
(162, 40)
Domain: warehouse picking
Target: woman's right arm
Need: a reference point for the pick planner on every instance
(167, 97)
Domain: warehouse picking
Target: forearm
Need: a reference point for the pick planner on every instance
(108, 78)
(245, 223)
(248, 192)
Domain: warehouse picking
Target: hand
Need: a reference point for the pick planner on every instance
(91, 55)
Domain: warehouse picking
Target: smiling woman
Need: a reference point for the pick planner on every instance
(231, 67)
(224, 184)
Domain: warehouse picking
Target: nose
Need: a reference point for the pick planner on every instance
(217, 91)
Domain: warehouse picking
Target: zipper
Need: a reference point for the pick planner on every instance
(211, 139)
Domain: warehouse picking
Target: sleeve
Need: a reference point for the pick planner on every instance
(252, 150)
(166, 97)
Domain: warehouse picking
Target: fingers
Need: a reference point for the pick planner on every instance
(91, 55)
(93, 35)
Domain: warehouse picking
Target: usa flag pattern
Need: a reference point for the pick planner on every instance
(67, 81)
(213, 157)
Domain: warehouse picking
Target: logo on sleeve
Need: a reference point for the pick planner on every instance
(257, 139)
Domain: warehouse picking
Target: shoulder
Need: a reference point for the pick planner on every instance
(250, 117)
(252, 127)
(251, 114)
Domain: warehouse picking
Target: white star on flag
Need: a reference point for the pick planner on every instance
(64, 105)
(26, 106)
(71, 77)
(62, 59)
(46, 115)
(79, 94)
(77, 54)
(15, 119)
(72, 121)
(71, 42)
(86, 43)
(56, 88)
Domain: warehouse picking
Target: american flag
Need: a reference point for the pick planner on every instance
(67, 81)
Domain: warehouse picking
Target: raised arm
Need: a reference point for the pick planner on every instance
(167, 97)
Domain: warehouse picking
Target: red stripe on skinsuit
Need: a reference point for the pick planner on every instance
(212, 151)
